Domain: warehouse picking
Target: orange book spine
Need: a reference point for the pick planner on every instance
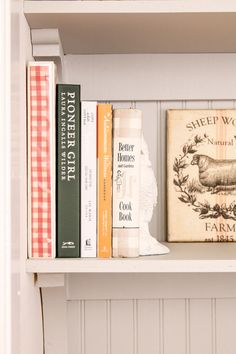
(104, 151)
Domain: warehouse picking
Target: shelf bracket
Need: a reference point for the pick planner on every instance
(46, 44)
(44, 280)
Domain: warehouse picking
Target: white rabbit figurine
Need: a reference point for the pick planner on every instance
(148, 245)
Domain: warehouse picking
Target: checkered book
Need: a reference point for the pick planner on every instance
(41, 159)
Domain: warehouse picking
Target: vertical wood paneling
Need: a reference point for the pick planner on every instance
(196, 105)
(108, 303)
(135, 326)
(219, 104)
(121, 104)
(161, 199)
(148, 327)
(95, 327)
(74, 327)
(213, 325)
(150, 119)
(200, 333)
(55, 320)
(122, 327)
(225, 326)
(161, 136)
(179, 326)
(174, 327)
(187, 325)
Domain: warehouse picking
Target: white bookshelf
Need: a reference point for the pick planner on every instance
(161, 55)
(154, 55)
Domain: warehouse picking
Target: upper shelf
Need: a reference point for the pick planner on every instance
(183, 258)
(173, 26)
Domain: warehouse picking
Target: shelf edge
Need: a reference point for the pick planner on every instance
(131, 266)
(160, 6)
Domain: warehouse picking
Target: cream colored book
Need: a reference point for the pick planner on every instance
(201, 175)
(127, 125)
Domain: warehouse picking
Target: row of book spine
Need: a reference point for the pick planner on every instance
(70, 149)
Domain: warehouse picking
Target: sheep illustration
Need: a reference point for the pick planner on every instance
(215, 174)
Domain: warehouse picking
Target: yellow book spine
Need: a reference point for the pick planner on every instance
(104, 150)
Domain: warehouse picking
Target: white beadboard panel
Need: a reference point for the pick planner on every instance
(228, 104)
(174, 333)
(153, 76)
(148, 327)
(75, 327)
(197, 104)
(225, 326)
(122, 104)
(151, 119)
(213, 324)
(139, 326)
(55, 320)
(122, 327)
(149, 286)
(95, 330)
(200, 326)
(161, 215)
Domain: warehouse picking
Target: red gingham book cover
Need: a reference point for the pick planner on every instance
(41, 159)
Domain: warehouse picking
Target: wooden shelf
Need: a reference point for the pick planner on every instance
(183, 258)
(173, 26)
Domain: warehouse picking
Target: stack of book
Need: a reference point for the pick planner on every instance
(83, 172)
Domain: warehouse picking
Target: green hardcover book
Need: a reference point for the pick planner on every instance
(68, 170)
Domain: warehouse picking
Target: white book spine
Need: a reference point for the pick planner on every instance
(126, 181)
(88, 179)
